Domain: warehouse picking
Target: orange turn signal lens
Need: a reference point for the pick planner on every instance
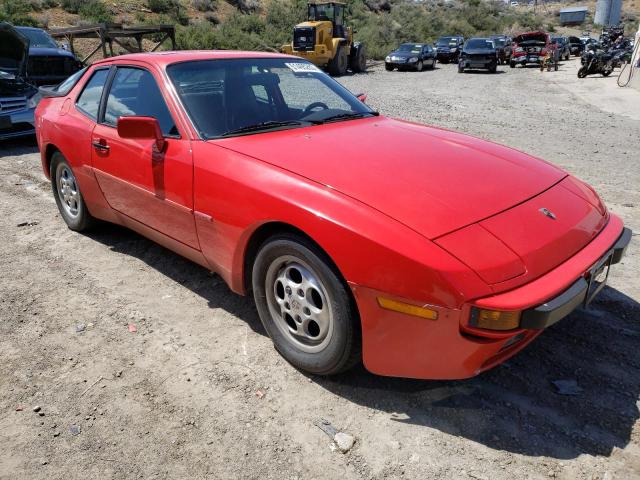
(407, 308)
(495, 319)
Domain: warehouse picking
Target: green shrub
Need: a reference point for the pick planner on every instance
(71, 6)
(95, 11)
(162, 6)
(204, 5)
(17, 12)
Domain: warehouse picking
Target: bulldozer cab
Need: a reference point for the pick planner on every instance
(328, 12)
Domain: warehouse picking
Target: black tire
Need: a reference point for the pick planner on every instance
(582, 72)
(460, 68)
(493, 68)
(66, 192)
(358, 58)
(419, 66)
(433, 64)
(388, 68)
(512, 64)
(339, 63)
(277, 258)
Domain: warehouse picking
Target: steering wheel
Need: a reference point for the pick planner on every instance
(315, 105)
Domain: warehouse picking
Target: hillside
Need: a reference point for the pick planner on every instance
(266, 24)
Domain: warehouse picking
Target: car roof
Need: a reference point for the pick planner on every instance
(170, 57)
(18, 27)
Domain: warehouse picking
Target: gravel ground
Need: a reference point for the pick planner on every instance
(198, 391)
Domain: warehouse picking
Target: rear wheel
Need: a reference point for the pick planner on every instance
(304, 306)
(68, 196)
(338, 64)
(460, 68)
(512, 64)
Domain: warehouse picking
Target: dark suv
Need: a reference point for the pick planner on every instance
(48, 63)
(478, 53)
(503, 47)
(562, 48)
(448, 48)
(576, 46)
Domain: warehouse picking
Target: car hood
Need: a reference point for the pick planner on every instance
(480, 51)
(434, 181)
(531, 37)
(14, 49)
(49, 52)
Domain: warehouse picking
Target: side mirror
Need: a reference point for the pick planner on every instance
(362, 97)
(142, 127)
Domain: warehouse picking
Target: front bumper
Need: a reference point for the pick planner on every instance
(581, 292)
(529, 58)
(20, 123)
(401, 64)
(396, 344)
(478, 63)
(447, 56)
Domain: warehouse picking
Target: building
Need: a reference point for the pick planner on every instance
(573, 15)
(608, 13)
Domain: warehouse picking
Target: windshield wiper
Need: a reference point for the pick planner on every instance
(257, 127)
(345, 116)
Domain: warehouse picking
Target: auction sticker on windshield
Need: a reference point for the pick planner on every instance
(302, 67)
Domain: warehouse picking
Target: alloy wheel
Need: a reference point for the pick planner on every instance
(299, 303)
(68, 191)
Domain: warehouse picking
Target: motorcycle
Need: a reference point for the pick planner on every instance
(597, 62)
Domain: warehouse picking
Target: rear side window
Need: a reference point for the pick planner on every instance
(134, 92)
(89, 100)
(66, 86)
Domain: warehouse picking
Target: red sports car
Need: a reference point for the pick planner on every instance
(422, 252)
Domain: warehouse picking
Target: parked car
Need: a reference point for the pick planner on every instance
(414, 56)
(48, 63)
(478, 53)
(448, 48)
(576, 46)
(562, 49)
(503, 47)
(530, 47)
(359, 236)
(18, 96)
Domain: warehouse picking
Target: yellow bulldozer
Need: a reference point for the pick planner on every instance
(325, 41)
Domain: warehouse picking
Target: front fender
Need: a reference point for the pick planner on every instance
(235, 194)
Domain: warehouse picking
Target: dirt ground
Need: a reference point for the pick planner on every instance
(198, 391)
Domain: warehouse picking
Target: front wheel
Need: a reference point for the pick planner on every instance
(68, 196)
(582, 72)
(512, 64)
(419, 66)
(339, 63)
(305, 306)
(460, 68)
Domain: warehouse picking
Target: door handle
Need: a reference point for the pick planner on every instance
(101, 145)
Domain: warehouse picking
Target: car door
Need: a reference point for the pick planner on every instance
(431, 54)
(151, 187)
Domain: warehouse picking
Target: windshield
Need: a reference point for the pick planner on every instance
(479, 43)
(410, 47)
(223, 97)
(498, 42)
(447, 41)
(38, 38)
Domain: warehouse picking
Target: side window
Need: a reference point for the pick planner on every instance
(134, 92)
(260, 93)
(89, 100)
